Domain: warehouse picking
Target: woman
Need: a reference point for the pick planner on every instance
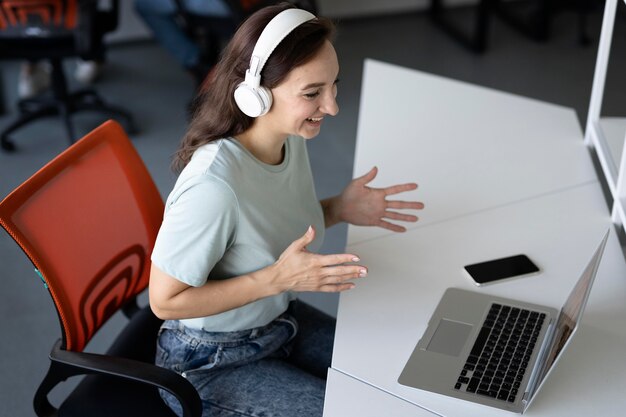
(243, 223)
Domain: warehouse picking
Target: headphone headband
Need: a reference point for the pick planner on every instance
(273, 34)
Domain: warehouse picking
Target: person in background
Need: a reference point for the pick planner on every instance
(243, 225)
(34, 77)
(160, 17)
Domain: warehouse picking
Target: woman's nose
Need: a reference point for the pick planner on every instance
(329, 106)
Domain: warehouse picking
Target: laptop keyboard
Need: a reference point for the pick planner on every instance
(497, 363)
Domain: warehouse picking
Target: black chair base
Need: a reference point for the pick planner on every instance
(62, 104)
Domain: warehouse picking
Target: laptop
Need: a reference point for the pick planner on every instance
(492, 350)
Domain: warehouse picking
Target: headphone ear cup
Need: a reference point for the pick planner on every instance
(253, 102)
(266, 97)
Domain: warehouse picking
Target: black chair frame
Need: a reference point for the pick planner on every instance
(85, 41)
(127, 364)
(536, 26)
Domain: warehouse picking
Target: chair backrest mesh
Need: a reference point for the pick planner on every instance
(34, 13)
(88, 220)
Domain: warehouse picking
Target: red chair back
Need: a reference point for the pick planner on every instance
(87, 221)
(48, 13)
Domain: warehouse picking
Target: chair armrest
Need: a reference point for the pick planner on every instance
(93, 363)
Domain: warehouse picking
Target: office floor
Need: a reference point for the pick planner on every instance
(144, 79)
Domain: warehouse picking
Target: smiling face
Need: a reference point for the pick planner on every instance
(306, 95)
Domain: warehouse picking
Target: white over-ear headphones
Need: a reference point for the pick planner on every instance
(252, 98)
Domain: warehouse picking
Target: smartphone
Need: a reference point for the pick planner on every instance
(500, 269)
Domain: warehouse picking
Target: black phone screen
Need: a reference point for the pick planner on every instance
(503, 268)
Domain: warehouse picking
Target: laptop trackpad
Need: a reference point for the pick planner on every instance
(450, 337)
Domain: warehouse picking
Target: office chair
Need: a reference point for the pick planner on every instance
(52, 31)
(532, 18)
(535, 19)
(87, 221)
(212, 33)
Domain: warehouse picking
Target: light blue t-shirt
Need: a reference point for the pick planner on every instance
(230, 214)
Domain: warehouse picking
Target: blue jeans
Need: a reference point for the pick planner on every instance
(277, 370)
(160, 17)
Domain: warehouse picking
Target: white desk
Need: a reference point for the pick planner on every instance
(351, 397)
(556, 219)
(469, 148)
(381, 320)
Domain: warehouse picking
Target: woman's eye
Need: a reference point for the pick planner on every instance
(312, 95)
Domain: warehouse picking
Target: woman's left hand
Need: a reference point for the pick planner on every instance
(361, 205)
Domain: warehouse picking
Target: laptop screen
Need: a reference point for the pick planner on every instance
(572, 310)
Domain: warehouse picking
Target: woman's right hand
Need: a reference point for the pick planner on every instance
(297, 269)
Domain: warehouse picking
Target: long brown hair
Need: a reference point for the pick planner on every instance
(216, 114)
